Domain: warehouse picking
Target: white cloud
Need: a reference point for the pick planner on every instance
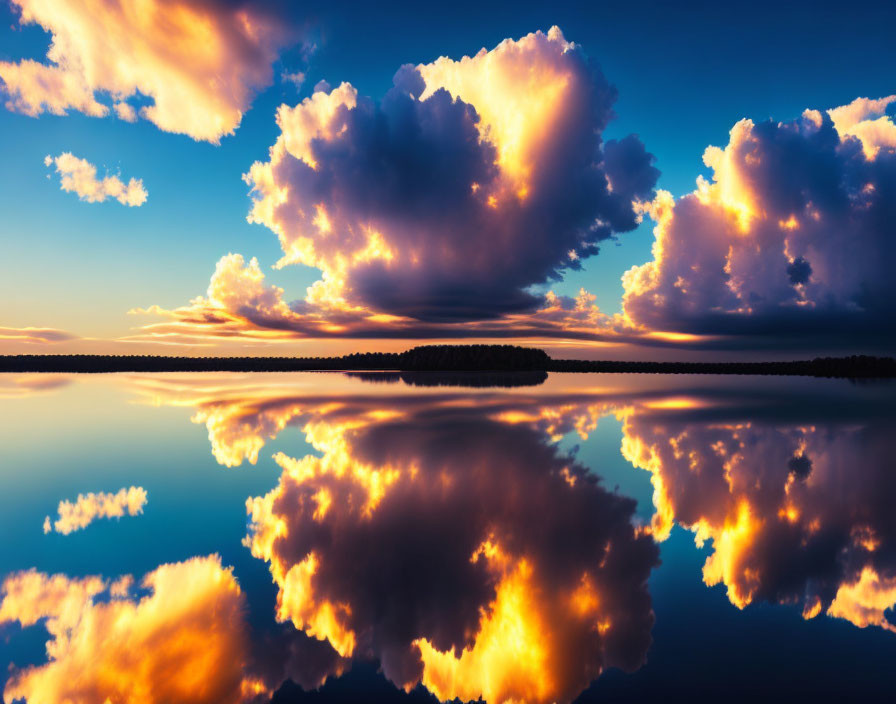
(199, 63)
(79, 176)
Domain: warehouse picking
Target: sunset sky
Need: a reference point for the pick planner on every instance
(608, 180)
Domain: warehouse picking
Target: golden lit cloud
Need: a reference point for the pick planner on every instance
(89, 507)
(855, 120)
(239, 304)
(761, 247)
(491, 135)
(519, 90)
(184, 640)
(440, 206)
(79, 176)
(865, 601)
(198, 64)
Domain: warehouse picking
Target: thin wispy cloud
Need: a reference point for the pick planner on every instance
(296, 78)
(35, 335)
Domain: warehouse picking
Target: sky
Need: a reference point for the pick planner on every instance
(197, 177)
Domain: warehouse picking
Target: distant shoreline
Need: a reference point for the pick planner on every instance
(443, 358)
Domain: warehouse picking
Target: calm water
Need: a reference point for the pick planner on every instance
(222, 537)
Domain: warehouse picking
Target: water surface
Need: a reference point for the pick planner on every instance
(360, 537)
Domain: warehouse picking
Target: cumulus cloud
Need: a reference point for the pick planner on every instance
(74, 516)
(180, 637)
(442, 204)
(796, 504)
(793, 233)
(79, 176)
(467, 183)
(188, 66)
(477, 600)
(865, 119)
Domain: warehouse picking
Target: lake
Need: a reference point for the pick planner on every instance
(336, 537)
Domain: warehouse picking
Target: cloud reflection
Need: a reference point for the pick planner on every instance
(444, 535)
(78, 514)
(179, 637)
(458, 551)
(798, 510)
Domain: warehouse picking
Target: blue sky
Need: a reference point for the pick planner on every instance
(685, 73)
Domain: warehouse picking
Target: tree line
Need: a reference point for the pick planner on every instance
(443, 358)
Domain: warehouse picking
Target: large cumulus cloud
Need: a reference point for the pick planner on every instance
(793, 234)
(467, 183)
(188, 66)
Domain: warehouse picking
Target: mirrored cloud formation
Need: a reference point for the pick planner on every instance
(458, 551)
(444, 202)
(87, 508)
(792, 235)
(187, 66)
(179, 637)
(79, 176)
(798, 509)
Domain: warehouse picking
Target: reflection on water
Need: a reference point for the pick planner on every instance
(22, 385)
(471, 380)
(457, 539)
(183, 641)
(799, 510)
(457, 550)
(78, 514)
